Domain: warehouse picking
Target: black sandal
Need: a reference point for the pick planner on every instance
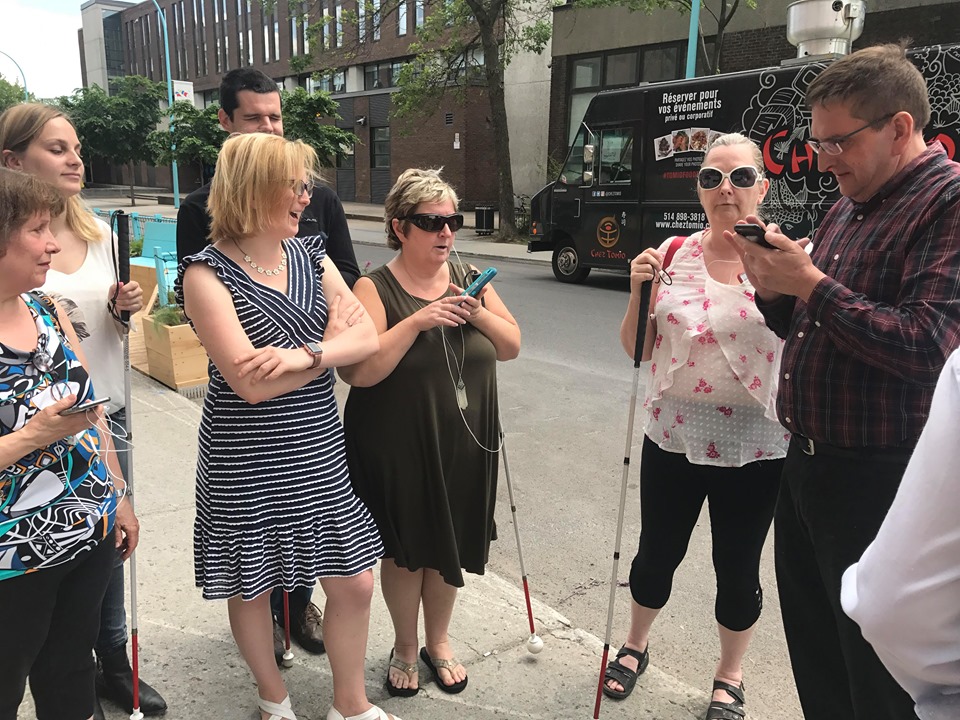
(618, 672)
(727, 711)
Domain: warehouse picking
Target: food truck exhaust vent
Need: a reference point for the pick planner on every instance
(824, 27)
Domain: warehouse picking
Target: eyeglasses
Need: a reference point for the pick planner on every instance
(743, 177)
(434, 223)
(303, 186)
(833, 146)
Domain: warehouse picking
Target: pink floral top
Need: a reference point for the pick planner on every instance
(712, 386)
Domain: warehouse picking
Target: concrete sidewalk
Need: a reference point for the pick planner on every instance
(188, 654)
(468, 242)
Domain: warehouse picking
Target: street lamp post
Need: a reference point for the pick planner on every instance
(692, 38)
(26, 95)
(166, 55)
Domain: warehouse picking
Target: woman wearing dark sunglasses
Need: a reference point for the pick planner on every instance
(711, 430)
(422, 424)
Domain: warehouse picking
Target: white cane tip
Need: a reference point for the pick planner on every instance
(288, 659)
(534, 644)
(136, 715)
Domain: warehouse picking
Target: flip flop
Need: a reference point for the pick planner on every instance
(445, 664)
(619, 672)
(406, 668)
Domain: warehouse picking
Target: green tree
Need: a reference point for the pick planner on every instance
(455, 35)
(89, 109)
(116, 126)
(196, 137)
(303, 115)
(134, 114)
(721, 11)
(11, 94)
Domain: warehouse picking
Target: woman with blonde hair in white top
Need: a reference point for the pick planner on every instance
(711, 430)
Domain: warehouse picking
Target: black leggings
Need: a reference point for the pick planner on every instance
(741, 503)
(50, 621)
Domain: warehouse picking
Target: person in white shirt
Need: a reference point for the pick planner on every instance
(711, 428)
(905, 590)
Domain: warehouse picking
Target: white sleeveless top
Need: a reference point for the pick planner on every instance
(83, 294)
(712, 386)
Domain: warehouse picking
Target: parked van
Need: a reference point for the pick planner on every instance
(629, 179)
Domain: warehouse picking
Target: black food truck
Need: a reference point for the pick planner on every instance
(629, 180)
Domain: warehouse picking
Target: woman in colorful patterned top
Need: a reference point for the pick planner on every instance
(711, 430)
(61, 515)
(39, 139)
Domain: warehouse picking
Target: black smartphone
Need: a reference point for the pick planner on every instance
(477, 285)
(754, 233)
(84, 406)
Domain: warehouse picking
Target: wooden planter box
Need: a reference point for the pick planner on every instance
(175, 356)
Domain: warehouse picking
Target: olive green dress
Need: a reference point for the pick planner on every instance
(429, 485)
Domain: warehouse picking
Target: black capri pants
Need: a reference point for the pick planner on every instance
(51, 618)
(741, 503)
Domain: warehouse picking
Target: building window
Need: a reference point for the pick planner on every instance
(380, 155)
(375, 18)
(225, 34)
(419, 13)
(624, 67)
(661, 63)
(402, 18)
(335, 82)
(382, 75)
(294, 36)
(347, 161)
(621, 69)
(327, 27)
(586, 73)
(276, 39)
(376, 76)
(361, 20)
(338, 14)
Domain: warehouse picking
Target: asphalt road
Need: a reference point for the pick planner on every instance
(565, 402)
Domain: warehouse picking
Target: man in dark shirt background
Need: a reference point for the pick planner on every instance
(869, 320)
(250, 102)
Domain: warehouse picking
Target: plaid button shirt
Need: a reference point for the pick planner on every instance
(862, 357)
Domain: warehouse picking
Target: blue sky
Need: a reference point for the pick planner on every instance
(41, 35)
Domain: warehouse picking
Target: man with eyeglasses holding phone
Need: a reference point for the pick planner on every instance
(869, 320)
(250, 102)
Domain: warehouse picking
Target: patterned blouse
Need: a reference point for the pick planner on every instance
(712, 387)
(58, 501)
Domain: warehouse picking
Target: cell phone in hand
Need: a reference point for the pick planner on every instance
(754, 233)
(84, 406)
(477, 285)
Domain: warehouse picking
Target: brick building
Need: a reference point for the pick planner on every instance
(599, 49)
(210, 37)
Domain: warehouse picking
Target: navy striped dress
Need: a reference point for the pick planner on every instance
(275, 505)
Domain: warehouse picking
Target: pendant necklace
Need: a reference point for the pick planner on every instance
(263, 271)
(459, 385)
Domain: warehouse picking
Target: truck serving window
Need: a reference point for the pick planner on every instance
(616, 156)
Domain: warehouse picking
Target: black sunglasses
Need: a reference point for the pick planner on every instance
(743, 177)
(431, 223)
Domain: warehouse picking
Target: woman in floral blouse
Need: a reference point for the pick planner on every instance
(711, 429)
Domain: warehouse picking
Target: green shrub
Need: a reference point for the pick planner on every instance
(169, 315)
